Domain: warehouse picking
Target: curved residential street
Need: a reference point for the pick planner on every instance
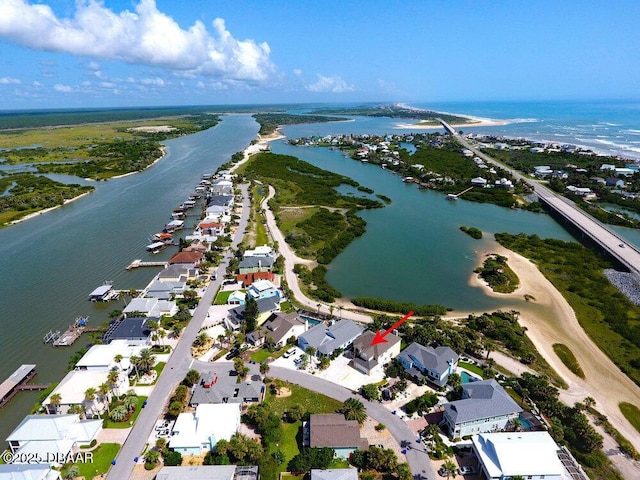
(290, 259)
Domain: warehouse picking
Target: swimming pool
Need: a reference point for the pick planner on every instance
(468, 378)
(312, 321)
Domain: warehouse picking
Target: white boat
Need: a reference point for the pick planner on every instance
(155, 247)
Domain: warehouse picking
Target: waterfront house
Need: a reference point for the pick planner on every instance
(208, 472)
(479, 182)
(224, 388)
(221, 200)
(198, 432)
(370, 359)
(332, 430)
(484, 407)
(165, 290)
(327, 339)
(255, 264)
(614, 182)
(73, 386)
(187, 258)
(101, 358)
(263, 289)
(266, 306)
(134, 331)
(527, 454)
(432, 364)
(335, 474)
(222, 187)
(151, 307)
(277, 329)
(177, 273)
(28, 472)
(248, 278)
(54, 434)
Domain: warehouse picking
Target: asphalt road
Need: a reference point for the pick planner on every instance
(176, 368)
(417, 457)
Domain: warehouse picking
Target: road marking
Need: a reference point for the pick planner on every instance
(192, 360)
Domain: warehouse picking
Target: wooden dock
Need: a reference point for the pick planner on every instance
(71, 334)
(139, 263)
(15, 382)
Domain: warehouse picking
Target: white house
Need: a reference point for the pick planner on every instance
(484, 407)
(237, 297)
(72, 390)
(101, 358)
(151, 307)
(260, 251)
(198, 432)
(479, 182)
(263, 289)
(55, 434)
(28, 472)
(531, 455)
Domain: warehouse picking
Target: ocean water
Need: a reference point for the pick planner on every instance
(609, 127)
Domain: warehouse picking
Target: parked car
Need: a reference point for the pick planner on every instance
(466, 470)
(233, 353)
(289, 352)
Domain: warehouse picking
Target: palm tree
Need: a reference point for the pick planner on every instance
(118, 358)
(310, 351)
(90, 396)
(133, 359)
(130, 402)
(331, 308)
(118, 414)
(77, 409)
(264, 368)
(162, 334)
(240, 368)
(72, 472)
(340, 312)
(54, 401)
(450, 469)
(113, 378)
(489, 347)
(354, 409)
(146, 360)
(589, 402)
(103, 392)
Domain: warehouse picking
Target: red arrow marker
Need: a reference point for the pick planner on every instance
(379, 338)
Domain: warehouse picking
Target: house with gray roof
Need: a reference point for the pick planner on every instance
(332, 430)
(335, 474)
(223, 388)
(165, 290)
(255, 264)
(278, 328)
(266, 306)
(327, 339)
(484, 407)
(369, 358)
(134, 330)
(432, 364)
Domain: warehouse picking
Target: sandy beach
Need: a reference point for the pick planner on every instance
(477, 122)
(41, 212)
(550, 319)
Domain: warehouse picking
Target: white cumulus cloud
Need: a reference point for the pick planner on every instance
(9, 81)
(58, 87)
(297, 72)
(333, 84)
(144, 36)
(158, 82)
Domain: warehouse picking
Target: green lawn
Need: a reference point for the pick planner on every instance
(222, 297)
(631, 413)
(108, 423)
(102, 457)
(568, 358)
(471, 367)
(288, 445)
(262, 354)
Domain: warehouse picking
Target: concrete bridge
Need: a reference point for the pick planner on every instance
(624, 252)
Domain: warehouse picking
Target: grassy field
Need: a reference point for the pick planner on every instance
(111, 424)
(102, 457)
(312, 402)
(222, 297)
(568, 358)
(631, 413)
(471, 367)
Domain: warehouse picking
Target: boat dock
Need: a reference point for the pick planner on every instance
(16, 382)
(139, 263)
(71, 334)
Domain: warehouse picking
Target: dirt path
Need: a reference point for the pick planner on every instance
(550, 319)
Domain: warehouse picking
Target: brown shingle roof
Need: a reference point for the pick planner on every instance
(334, 431)
(186, 257)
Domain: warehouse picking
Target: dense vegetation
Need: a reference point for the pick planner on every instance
(498, 275)
(567, 357)
(608, 317)
(269, 122)
(473, 232)
(23, 193)
(396, 111)
(319, 233)
(393, 306)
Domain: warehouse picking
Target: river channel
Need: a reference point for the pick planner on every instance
(49, 264)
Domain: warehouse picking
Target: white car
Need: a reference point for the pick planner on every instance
(466, 470)
(289, 352)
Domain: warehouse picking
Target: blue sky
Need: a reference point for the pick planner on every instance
(90, 53)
